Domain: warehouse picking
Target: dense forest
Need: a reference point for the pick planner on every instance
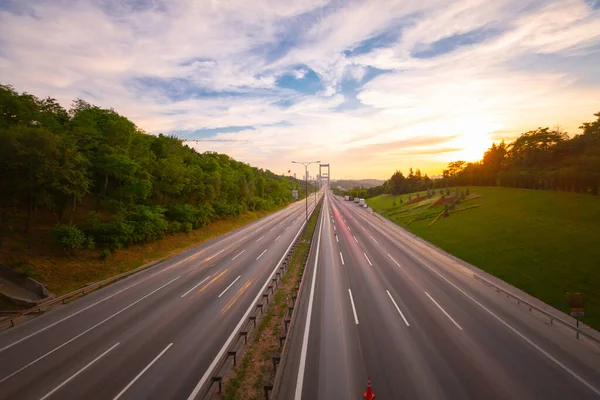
(546, 159)
(138, 186)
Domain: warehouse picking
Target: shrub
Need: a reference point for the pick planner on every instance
(148, 223)
(104, 254)
(175, 226)
(70, 237)
(109, 234)
(186, 213)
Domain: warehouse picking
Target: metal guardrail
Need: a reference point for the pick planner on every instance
(79, 292)
(237, 348)
(553, 318)
(290, 323)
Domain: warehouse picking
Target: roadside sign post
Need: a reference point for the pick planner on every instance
(576, 301)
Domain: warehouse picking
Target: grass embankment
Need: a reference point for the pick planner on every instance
(256, 369)
(543, 242)
(61, 274)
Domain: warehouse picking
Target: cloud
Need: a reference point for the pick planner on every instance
(370, 86)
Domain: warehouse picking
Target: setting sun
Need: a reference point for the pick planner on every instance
(472, 138)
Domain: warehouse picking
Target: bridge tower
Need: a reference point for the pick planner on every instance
(324, 176)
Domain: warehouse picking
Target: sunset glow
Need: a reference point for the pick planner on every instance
(369, 86)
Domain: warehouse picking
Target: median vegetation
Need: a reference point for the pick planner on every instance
(256, 370)
(79, 186)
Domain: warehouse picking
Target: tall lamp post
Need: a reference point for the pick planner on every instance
(306, 164)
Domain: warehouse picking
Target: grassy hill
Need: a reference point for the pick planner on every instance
(543, 242)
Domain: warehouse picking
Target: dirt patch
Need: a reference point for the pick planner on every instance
(442, 201)
(417, 200)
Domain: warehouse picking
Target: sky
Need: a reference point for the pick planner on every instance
(366, 86)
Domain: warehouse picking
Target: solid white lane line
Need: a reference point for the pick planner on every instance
(235, 330)
(355, 239)
(396, 262)
(369, 261)
(342, 257)
(218, 253)
(261, 254)
(142, 372)
(77, 373)
(444, 311)
(397, 308)
(278, 238)
(239, 254)
(302, 365)
(230, 285)
(70, 316)
(353, 308)
(522, 336)
(258, 240)
(86, 331)
(373, 239)
(201, 282)
(336, 239)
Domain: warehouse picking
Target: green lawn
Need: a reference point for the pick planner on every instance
(545, 243)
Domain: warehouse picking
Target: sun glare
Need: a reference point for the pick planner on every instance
(473, 138)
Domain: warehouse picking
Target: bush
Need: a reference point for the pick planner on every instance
(113, 234)
(70, 237)
(186, 213)
(224, 210)
(148, 223)
(175, 226)
(104, 254)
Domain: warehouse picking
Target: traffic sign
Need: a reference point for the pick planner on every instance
(577, 314)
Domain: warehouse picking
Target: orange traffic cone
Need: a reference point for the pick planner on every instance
(369, 393)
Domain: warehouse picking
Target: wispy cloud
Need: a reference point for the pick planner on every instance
(370, 86)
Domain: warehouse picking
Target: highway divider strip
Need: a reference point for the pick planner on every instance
(235, 345)
(301, 289)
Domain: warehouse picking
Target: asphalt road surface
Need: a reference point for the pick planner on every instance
(153, 335)
(377, 302)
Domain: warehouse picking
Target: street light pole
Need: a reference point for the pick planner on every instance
(306, 164)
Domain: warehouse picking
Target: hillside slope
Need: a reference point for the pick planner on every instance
(543, 242)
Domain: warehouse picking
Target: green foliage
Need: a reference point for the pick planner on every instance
(104, 254)
(543, 242)
(144, 186)
(148, 223)
(111, 234)
(538, 159)
(70, 238)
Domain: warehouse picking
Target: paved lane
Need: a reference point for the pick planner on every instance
(154, 334)
(423, 330)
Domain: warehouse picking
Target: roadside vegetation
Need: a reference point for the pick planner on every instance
(543, 242)
(79, 186)
(256, 369)
(544, 159)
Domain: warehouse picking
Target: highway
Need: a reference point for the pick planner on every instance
(153, 335)
(378, 302)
